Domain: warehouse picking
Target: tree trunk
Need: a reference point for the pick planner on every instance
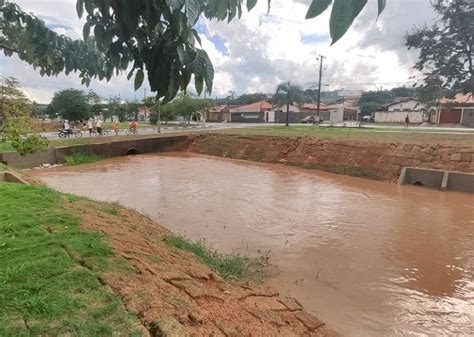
(287, 113)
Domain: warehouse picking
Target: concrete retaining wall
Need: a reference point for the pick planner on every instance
(11, 177)
(382, 161)
(111, 149)
(440, 180)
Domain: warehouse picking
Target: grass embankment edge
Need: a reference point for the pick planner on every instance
(50, 270)
(230, 266)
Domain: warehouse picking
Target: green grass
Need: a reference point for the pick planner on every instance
(49, 270)
(79, 158)
(3, 167)
(231, 265)
(359, 134)
(6, 146)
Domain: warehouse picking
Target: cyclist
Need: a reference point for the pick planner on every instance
(133, 126)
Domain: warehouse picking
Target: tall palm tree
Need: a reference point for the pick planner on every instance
(288, 94)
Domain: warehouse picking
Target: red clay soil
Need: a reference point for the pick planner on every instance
(373, 160)
(174, 294)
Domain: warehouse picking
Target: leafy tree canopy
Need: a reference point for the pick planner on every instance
(287, 94)
(447, 48)
(183, 105)
(152, 36)
(16, 119)
(70, 104)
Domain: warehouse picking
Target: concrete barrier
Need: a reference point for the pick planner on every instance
(441, 180)
(111, 149)
(11, 177)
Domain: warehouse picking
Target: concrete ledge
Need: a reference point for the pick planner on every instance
(441, 180)
(11, 177)
(111, 149)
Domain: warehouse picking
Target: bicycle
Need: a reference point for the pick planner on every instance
(94, 133)
(131, 132)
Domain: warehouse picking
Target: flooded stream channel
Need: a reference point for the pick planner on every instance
(368, 258)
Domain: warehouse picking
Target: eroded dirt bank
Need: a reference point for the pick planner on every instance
(380, 161)
(175, 295)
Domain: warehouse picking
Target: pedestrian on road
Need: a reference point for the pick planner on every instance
(115, 127)
(98, 125)
(89, 126)
(407, 121)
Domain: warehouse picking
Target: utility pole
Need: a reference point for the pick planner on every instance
(159, 113)
(144, 102)
(288, 105)
(2, 112)
(321, 57)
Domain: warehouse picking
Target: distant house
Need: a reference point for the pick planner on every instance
(220, 113)
(143, 115)
(337, 113)
(398, 110)
(458, 110)
(250, 113)
(296, 112)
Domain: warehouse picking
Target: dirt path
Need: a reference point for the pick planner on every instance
(175, 295)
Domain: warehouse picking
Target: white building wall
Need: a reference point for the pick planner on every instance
(336, 115)
(271, 116)
(398, 116)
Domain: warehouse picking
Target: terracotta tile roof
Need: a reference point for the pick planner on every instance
(255, 106)
(459, 98)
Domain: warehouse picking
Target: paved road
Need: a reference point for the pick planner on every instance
(165, 129)
(217, 126)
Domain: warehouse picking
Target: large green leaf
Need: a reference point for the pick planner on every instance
(317, 7)
(86, 30)
(381, 6)
(139, 79)
(174, 4)
(343, 14)
(192, 11)
(80, 8)
(198, 84)
(209, 71)
(222, 6)
(251, 4)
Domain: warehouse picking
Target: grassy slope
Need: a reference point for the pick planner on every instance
(78, 158)
(49, 281)
(378, 135)
(5, 147)
(231, 265)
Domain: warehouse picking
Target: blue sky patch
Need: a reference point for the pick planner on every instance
(217, 40)
(314, 38)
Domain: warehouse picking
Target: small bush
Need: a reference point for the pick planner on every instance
(231, 265)
(78, 158)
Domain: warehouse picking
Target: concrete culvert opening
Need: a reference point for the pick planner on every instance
(132, 152)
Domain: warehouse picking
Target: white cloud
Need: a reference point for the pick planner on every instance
(263, 50)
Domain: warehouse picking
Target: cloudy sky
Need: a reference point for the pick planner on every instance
(259, 51)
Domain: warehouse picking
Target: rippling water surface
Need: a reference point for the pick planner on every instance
(369, 258)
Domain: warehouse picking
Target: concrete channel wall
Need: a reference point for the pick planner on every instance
(437, 179)
(373, 160)
(11, 177)
(112, 149)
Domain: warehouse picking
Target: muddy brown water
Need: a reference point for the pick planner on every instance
(368, 258)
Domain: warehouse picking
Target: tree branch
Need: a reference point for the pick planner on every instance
(2, 46)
